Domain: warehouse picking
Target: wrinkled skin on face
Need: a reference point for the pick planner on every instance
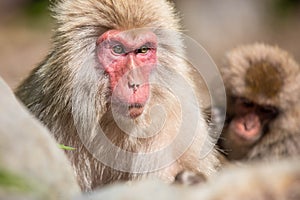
(128, 59)
(247, 122)
(250, 119)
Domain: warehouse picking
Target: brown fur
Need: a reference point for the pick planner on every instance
(240, 60)
(261, 181)
(71, 96)
(263, 79)
(267, 76)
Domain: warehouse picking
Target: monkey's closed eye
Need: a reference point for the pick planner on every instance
(245, 102)
(269, 110)
(118, 49)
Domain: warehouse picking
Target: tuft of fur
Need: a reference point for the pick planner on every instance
(275, 70)
(70, 94)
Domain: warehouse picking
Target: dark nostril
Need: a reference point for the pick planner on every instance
(133, 86)
(249, 125)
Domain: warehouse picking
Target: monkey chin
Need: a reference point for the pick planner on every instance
(130, 105)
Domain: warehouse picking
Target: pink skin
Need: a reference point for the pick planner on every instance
(247, 127)
(128, 70)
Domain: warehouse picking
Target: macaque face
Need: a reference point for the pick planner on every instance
(249, 120)
(128, 59)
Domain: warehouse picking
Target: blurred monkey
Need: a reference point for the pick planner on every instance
(98, 79)
(263, 108)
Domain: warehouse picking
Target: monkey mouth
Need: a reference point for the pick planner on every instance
(135, 110)
(136, 105)
(127, 109)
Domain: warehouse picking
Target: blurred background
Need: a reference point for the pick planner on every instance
(26, 25)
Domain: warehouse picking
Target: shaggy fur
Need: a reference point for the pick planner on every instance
(269, 76)
(70, 94)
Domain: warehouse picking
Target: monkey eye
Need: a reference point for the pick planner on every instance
(143, 49)
(269, 110)
(245, 102)
(118, 49)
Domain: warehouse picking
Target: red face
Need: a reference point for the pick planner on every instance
(250, 120)
(128, 58)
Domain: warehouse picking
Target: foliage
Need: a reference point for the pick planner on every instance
(285, 7)
(66, 147)
(12, 182)
(37, 8)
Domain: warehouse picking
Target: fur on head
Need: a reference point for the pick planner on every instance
(79, 24)
(270, 76)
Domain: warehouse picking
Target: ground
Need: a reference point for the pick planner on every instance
(22, 47)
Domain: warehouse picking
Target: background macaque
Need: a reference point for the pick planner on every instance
(263, 113)
(113, 87)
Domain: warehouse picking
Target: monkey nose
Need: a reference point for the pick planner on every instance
(249, 125)
(133, 86)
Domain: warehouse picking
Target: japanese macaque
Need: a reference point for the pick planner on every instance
(116, 87)
(32, 165)
(263, 112)
(280, 181)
